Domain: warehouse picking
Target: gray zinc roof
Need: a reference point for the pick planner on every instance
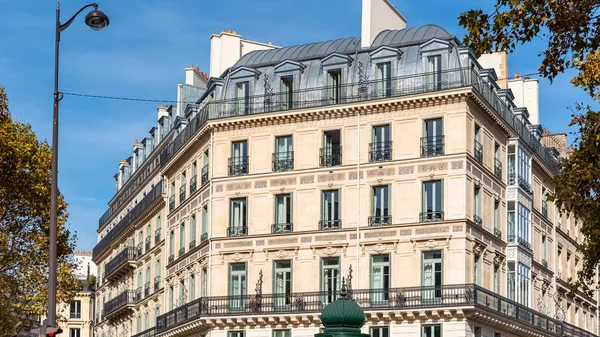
(347, 45)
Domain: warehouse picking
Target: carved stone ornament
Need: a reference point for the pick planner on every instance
(478, 248)
(281, 254)
(329, 251)
(431, 244)
(237, 257)
(380, 248)
(498, 259)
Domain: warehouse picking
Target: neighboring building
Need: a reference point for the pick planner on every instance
(85, 265)
(396, 161)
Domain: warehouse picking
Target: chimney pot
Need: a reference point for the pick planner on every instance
(270, 43)
(234, 32)
(191, 66)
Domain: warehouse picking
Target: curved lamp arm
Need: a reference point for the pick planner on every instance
(66, 25)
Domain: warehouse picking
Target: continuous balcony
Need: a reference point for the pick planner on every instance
(330, 156)
(380, 151)
(151, 199)
(120, 305)
(432, 146)
(238, 166)
(330, 224)
(120, 265)
(283, 161)
(146, 333)
(468, 297)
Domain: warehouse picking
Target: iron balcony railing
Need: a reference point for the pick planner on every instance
(181, 251)
(380, 151)
(432, 146)
(75, 315)
(146, 333)
(498, 168)
(137, 210)
(124, 256)
(545, 208)
(172, 202)
(171, 258)
(104, 218)
(330, 156)
(477, 220)
(204, 176)
(330, 224)
(148, 243)
(444, 296)
(545, 263)
(192, 244)
(379, 220)
(282, 227)
(146, 289)
(203, 237)
(238, 166)
(497, 232)
(182, 193)
(156, 283)
(140, 249)
(477, 151)
(125, 298)
(431, 216)
(512, 178)
(138, 294)
(237, 231)
(511, 238)
(525, 185)
(193, 184)
(157, 236)
(524, 242)
(283, 161)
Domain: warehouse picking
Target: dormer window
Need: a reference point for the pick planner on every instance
(383, 79)
(287, 92)
(434, 72)
(242, 93)
(334, 85)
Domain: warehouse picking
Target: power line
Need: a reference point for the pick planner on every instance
(175, 101)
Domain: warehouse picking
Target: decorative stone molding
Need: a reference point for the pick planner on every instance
(433, 167)
(330, 177)
(352, 175)
(380, 246)
(328, 250)
(406, 170)
(281, 253)
(431, 242)
(283, 182)
(456, 165)
(260, 184)
(380, 172)
(238, 186)
(219, 188)
(479, 248)
(499, 258)
(307, 180)
(237, 255)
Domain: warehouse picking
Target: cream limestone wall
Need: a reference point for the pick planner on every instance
(84, 322)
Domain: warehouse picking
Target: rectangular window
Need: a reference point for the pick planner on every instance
(431, 330)
(283, 157)
(334, 85)
(75, 311)
(477, 206)
(237, 286)
(511, 289)
(434, 72)
(477, 331)
(383, 79)
(204, 222)
(330, 210)
(497, 230)
(238, 217)
(331, 153)
(146, 321)
(238, 162)
(283, 214)
(242, 98)
(432, 275)
(172, 197)
(497, 161)
(74, 332)
(181, 300)
(380, 331)
(477, 269)
(381, 145)
(236, 334)
(432, 203)
(282, 333)
(497, 279)
(432, 142)
(380, 279)
(192, 285)
(524, 168)
(181, 239)
(330, 278)
(381, 214)
(182, 188)
(192, 231)
(287, 92)
(170, 298)
(544, 202)
(523, 225)
(523, 284)
(282, 284)
(203, 283)
(477, 147)
(544, 261)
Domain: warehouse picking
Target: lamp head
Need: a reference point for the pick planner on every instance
(96, 19)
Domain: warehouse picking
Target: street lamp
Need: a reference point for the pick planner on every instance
(97, 20)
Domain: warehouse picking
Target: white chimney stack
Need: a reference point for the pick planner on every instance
(377, 16)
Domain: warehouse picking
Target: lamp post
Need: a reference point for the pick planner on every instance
(97, 20)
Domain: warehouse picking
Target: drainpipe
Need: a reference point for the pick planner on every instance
(555, 252)
(357, 200)
(209, 215)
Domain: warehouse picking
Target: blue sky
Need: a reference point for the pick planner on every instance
(143, 53)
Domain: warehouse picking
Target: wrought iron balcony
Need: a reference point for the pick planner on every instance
(283, 161)
(512, 178)
(146, 333)
(497, 232)
(464, 296)
(330, 156)
(121, 264)
(380, 151)
(150, 199)
(157, 236)
(282, 227)
(498, 168)
(192, 244)
(544, 263)
(431, 216)
(380, 220)
(511, 238)
(182, 193)
(204, 176)
(238, 166)
(237, 231)
(124, 302)
(524, 242)
(138, 294)
(148, 243)
(545, 208)
(146, 289)
(203, 237)
(193, 184)
(172, 203)
(156, 283)
(74, 314)
(140, 249)
(477, 151)
(181, 251)
(477, 220)
(432, 146)
(171, 258)
(525, 185)
(330, 224)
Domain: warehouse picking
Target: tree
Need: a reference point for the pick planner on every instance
(24, 227)
(570, 30)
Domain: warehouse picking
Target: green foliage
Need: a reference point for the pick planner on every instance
(24, 227)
